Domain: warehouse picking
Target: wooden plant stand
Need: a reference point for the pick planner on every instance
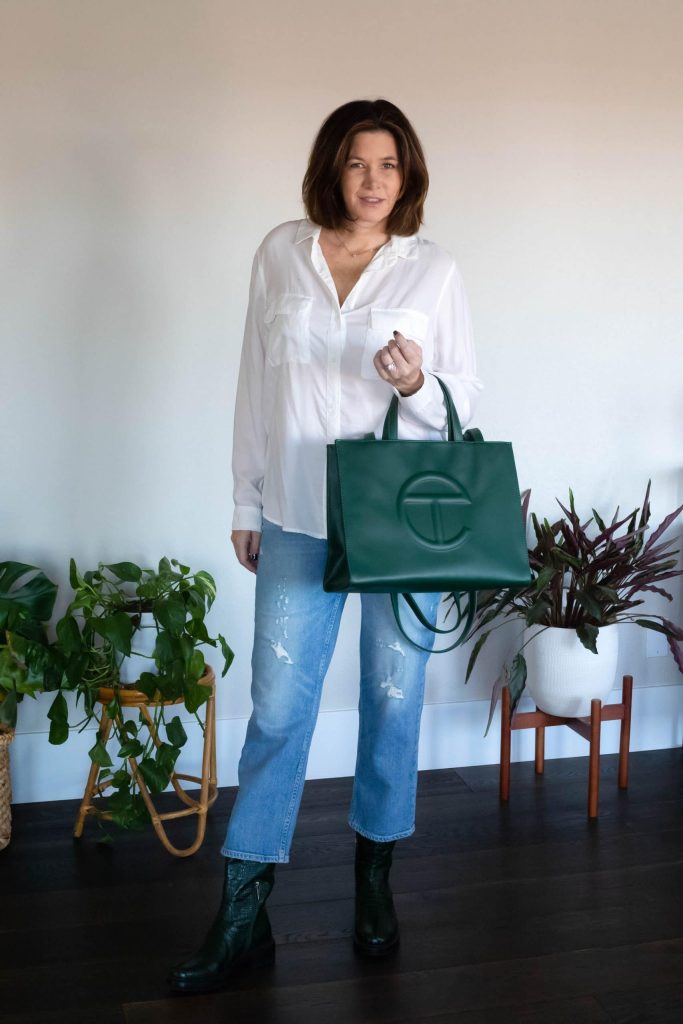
(207, 782)
(588, 727)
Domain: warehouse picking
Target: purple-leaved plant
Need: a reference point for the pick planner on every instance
(582, 582)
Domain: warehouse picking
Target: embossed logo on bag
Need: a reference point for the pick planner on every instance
(431, 505)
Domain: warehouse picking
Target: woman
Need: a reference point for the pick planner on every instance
(347, 307)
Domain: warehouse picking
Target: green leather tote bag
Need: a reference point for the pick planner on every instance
(424, 517)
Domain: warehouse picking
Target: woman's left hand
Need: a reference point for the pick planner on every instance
(400, 363)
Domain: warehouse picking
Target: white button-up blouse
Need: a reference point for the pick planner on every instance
(307, 375)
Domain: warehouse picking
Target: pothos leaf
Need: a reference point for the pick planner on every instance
(167, 756)
(171, 613)
(176, 732)
(207, 583)
(131, 748)
(128, 810)
(126, 571)
(117, 629)
(59, 721)
(69, 635)
(228, 653)
(98, 754)
(195, 695)
(195, 669)
(154, 775)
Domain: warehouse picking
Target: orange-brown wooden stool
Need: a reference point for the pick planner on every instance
(588, 727)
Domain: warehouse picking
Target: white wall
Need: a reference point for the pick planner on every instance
(148, 145)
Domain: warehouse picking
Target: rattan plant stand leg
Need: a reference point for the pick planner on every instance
(588, 727)
(6, 737)
(207, 782)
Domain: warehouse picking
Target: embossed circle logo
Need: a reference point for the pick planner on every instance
(432, 506)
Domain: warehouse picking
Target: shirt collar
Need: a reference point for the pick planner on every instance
(306, 229)
(403, 246)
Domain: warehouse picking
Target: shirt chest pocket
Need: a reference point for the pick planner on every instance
(382, 323)
(288, 320)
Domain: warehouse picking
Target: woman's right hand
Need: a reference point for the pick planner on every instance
(246, 544)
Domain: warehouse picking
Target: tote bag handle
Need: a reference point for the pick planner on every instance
(466, 614)
(390, 432)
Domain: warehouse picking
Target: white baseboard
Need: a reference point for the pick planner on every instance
(452, 736)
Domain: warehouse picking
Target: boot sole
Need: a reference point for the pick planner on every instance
(263, 956)
(374, 952)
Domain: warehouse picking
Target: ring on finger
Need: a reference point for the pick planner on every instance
(391, 366)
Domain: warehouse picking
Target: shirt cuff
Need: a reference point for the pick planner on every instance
(428, 393)
(245, 517)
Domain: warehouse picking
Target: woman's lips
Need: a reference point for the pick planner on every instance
(371, 201)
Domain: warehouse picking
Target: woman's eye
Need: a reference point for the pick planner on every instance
(387, 166)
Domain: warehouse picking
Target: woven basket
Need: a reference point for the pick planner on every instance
(6, 737)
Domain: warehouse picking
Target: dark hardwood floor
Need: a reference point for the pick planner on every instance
(510, 914)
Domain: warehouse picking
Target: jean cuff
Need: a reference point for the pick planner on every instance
(382, 839)
(262, 858)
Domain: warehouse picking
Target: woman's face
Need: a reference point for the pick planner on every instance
(372, 178)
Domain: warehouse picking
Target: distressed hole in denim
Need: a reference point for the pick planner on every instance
(282, 599)
(392, 647)
(280, 652)
(392, 691)
(282, 621)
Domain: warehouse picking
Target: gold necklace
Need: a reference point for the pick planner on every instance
(360, 251)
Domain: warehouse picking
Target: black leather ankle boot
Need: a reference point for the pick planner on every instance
(240, 936)
(376, 927)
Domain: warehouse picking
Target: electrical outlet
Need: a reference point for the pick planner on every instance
(656, 645)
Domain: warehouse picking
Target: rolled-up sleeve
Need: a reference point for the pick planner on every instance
(453, 361)
(250, 434)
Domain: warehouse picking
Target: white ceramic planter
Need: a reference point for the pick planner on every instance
(563, 676)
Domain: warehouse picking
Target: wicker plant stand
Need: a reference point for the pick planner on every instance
(588, 727)
(6, 737)
(207, 781)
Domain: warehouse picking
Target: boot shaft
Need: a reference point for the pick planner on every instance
(373, 860)
(376, 926)
(246, 886)
(240, 934)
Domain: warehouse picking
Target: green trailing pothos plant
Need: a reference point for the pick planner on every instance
(27, 598)
(102, 627)
(582, 582)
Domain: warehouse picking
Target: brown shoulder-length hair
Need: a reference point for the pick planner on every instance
(321, 191)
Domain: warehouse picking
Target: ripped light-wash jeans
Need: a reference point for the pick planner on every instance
(295, 633)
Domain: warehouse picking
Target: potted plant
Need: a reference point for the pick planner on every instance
(113, 608)
(581, 587)
(27, 598)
